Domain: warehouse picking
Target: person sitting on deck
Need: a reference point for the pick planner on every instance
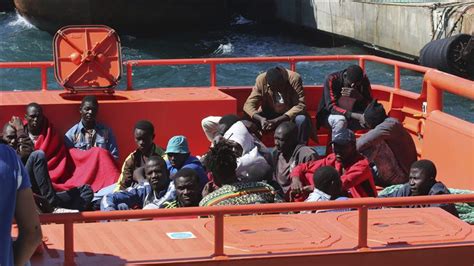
(221, 160)
(179, 157)
(278, 96)
(215, 127)
(36, 165)
(250, 151)
(422, 182)
(133, 166)
(288, 154)
(188, 189)
(88, 133)
(68, 168)
(388, 145)
(346, 94)
(155, 190)
(356, 174)
(327, 186)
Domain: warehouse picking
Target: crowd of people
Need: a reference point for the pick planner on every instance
(79, 171)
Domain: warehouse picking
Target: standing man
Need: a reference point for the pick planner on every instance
(278, 96)
(88, 133)
(16, 201)
(346, 94)
(288, 154)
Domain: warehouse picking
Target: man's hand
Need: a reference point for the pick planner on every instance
(16, 123)
(296, 185)
(345, 91)
(25, 148)
(274, 123)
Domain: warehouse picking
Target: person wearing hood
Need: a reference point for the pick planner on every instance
(180, 157)
(248, 153)
(278, 96)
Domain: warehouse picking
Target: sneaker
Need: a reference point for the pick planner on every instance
(64, 210)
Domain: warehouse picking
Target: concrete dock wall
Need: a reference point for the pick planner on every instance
(403, 28)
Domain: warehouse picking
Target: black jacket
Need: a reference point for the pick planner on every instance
(331, 94)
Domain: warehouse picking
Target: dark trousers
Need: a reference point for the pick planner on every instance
(37, 167)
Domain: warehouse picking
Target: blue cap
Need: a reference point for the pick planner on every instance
(177, 144)
(343, 137)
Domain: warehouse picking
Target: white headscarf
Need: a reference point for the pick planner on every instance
(250, 156)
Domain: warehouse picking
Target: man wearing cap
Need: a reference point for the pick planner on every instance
(180, 157)
(356, 174)
(346, 94)
(278, 96)
(388, 145)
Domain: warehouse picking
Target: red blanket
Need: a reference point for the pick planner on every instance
(73, 167)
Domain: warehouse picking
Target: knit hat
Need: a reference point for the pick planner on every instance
(374, 114)
(177, 144)
(343, 137)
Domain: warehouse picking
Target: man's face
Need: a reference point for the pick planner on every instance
(143, 139)
(9, 136)
(344, 152)
(156, 174)
(34, 117)
(187, 191)
(420, 183)
(177, 159)
(284, 142)
(88, 112)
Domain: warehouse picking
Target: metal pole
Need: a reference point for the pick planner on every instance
(363, 217)
(218, 235)
(69, 243)
(213, 75)
(434, 98)
(129, 76)
(44, 78)
(396, 81)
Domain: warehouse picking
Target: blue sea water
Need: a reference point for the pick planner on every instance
(21, 41)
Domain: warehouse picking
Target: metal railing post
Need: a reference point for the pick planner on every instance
(434, 98)
(363, 217)
(292, 65)
(396, 77)
(69, 243)
(213, 74)
(129, 76)
(218, 235)
(362, 63)
(44, 78)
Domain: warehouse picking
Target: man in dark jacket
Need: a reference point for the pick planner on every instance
(346, 94)
(288, 154)
(388, 145)
(423, 182)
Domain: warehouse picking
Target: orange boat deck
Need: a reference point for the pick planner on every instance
(361, 237)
